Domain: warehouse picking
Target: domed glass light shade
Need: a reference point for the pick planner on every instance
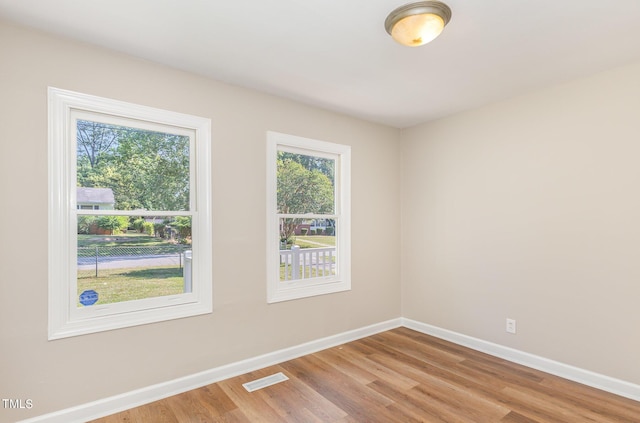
(418, 23)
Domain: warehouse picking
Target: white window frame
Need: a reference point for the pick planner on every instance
(65, 317)
(278, 290)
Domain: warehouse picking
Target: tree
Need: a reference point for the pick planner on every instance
(301, 191)
(322, 164)
(153, 171)
(145, 169)
(94, 139)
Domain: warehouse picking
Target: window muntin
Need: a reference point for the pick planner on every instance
(309, 234)
(144, 255)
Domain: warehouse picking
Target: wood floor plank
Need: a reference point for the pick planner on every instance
(124, 417)
(618, 408)
(395, 376)
(377, 369)
(415, 406)
(342, 358)
(442, 404)
(359, 401)
(474, 407)
(543, 404)
(253, 406)
(159, 411)
(450, 374)
(286, 397)
(407, 415)
(186, 407)
(215, 399)
(514, 417)
(415, 348)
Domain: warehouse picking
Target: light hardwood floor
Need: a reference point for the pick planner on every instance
(396, 376)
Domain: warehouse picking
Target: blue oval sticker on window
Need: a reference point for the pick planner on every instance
(88, 297)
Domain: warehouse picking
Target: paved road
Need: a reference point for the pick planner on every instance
(125, 262)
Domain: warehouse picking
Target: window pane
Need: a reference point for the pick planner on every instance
(125, 168)
(306, 184)
(122, 258)
(307, 248)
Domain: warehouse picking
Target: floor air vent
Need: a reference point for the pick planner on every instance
(264, 382)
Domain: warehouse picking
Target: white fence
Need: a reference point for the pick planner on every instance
(307, 263)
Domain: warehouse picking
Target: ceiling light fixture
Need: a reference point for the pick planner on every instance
(418, 23)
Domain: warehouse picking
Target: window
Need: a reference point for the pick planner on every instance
(129, 214)
(308, 222)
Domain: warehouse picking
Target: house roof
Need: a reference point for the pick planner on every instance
(336, 54)
(94, 195)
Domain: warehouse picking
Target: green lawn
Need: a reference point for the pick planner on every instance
(117, 285)
(127, 284)
(315, 241)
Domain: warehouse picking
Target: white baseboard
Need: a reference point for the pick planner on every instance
(585, 377)
(115, 404)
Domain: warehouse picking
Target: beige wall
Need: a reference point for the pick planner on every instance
(530, 209)
(68, 372)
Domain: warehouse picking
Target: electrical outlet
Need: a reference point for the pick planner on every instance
(511, 326)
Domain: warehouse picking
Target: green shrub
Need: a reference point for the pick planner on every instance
(159, 229)
(183, 226)
(147, 228)
(124, 224)
(329, 231)
(114, 224)
(138, 225)
(85, 223)
(304, 231)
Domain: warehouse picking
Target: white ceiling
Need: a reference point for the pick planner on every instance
(335, 54)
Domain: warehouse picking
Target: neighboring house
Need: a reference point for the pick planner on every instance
(95, 198)
(319, 226)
